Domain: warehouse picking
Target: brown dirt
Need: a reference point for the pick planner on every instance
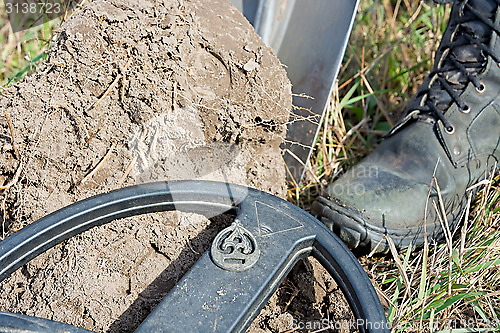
(137, 91)
(308, 300)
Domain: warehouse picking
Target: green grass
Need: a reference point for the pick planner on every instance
(453, 286)
(389, 52)
(21, 51)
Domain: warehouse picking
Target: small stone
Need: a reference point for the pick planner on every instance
(250, 47)
(250, 66)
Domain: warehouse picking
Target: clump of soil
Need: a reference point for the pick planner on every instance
(309, 300)
(118, 65)
(136, 91)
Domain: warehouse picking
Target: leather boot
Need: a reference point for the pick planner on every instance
(449, 135)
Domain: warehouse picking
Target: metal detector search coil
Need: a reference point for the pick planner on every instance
(283, 233)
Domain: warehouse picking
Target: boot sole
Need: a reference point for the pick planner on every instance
(359, 234)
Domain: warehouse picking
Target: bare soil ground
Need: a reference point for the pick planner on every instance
(132, 92)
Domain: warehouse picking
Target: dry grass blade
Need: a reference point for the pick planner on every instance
(11, 128)
(111, 86)
(395, 256)
(441, 213)
(97, 167)
(127, 171)
(14, 179)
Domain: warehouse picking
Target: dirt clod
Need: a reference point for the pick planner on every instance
(132, 92)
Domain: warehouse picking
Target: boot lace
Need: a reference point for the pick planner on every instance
(465, 56)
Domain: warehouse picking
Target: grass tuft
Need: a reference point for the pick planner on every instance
(453, 287)
(22, 51)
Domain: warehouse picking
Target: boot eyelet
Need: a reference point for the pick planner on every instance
(481, 88)
(461, 11)
(449, 130)
(465, 109)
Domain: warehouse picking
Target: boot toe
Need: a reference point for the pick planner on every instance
(363, 207)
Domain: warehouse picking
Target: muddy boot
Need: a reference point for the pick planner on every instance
(450, 130)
